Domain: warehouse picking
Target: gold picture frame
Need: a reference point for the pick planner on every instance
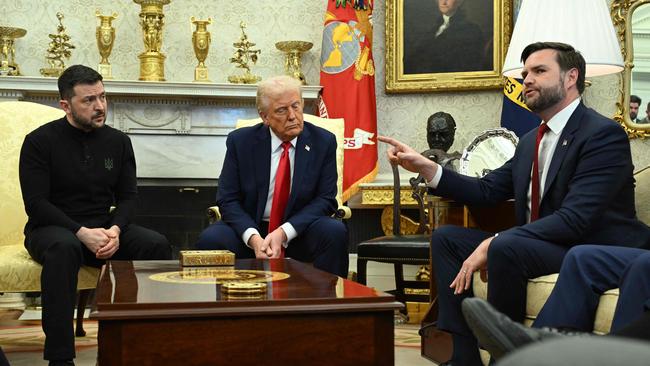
(621, 12)
(443, 77)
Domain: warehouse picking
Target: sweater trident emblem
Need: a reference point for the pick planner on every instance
(108, 163)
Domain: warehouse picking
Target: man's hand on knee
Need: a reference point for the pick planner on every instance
(93, 239)
(476, 261)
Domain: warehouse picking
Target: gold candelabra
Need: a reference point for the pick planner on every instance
(105, 35)
(58, 49)
(244, 53)
(292, 63)
(152, 61)
(8, 65)
(201, 43)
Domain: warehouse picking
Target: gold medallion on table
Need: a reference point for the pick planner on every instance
(243, 290)
(218, 276)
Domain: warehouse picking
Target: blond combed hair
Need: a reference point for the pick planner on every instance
(273, 88)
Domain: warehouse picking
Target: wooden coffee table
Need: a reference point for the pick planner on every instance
(149, 313)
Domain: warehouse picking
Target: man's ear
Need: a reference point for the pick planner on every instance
(65, 105)
(571, 77)
(264, 117)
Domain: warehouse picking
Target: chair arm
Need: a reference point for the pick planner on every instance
(213, 214)
(343, 212)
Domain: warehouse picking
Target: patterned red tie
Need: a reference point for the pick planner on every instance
(534, 184)
(281, 190)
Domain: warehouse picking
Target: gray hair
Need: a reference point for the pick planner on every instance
(274, 87)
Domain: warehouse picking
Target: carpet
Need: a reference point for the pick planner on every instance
(28, 336)
(406, 335)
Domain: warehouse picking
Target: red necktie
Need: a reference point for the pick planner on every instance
(281, 190)
(534, 184)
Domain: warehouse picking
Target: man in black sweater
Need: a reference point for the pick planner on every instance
(72, 171)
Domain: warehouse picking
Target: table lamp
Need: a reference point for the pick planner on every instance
(584, 24)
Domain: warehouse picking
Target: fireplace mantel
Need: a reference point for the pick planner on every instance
(178, 129)
(21, 88)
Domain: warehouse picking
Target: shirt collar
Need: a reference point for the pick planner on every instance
(276, 142)
(445, 19)
(560, 119)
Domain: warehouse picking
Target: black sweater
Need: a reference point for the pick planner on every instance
(71, 178)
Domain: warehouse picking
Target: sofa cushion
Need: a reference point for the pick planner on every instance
(605, 311)
(539, 289)
(22, 274)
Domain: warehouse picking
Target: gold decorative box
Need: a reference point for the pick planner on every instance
(204, 258)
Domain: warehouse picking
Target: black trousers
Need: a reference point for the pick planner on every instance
(61, 254)
(3, 359)
(639, 329)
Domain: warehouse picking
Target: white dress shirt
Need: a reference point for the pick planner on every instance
(444, 25)
(546, 149)
(276, 153)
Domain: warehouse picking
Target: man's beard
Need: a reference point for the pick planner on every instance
(547, 97)
(87, 124)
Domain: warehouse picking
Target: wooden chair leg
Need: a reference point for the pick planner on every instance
(361, 271)
(83, 297)
(399, 283)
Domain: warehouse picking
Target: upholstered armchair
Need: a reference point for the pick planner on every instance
(333, 125)
(539, 289)
(18, 272)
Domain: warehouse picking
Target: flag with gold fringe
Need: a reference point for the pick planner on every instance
(348, 79)
(515, 115)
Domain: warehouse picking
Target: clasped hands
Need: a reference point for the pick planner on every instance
(270, 246)
(102, 242)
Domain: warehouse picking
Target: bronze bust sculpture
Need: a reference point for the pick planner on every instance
(441, 129)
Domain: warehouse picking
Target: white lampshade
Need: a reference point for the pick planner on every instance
(584, 24)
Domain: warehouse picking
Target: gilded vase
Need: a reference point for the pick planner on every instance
(201, 42)
(105, 34)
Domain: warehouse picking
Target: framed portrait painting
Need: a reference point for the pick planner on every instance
(437, 45)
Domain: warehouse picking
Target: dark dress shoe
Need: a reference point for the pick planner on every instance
(498, 334)
(61, 363)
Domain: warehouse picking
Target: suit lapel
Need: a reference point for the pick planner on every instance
(262, 168)
(563, 146)
(302, 159)
(525, 167)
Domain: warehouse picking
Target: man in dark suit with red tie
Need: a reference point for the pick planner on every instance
(277, 188)
(572, 183)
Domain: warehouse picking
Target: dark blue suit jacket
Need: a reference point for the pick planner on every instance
(588, 193)
(244, 180)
